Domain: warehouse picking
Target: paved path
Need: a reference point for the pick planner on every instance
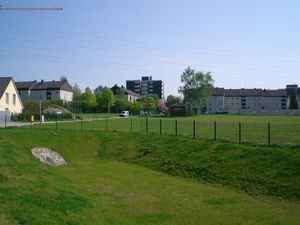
(13, 124)
(19, 124)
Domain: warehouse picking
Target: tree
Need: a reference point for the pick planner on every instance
(88, 100)
(121, 104)
(106, 98)
(148, 103)
(77, 94)
(134, 107)
(63, 78)
(98, 89)
(171, 100)
(197, 86)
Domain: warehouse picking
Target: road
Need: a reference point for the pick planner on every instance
(19, 124)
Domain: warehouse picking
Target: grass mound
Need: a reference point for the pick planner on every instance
(97, 188)
(256, 170)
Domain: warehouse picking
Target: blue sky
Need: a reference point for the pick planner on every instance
(245, 44)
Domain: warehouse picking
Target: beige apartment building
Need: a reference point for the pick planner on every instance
(254, 100)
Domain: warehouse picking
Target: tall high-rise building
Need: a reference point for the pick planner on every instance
(146, 86)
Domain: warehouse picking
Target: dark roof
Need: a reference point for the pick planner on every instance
(275, 93)
(218, 92)
(130, 92)
(44, 85)
(4, 81)
(243, 92)
(127, 91)
(25, 85)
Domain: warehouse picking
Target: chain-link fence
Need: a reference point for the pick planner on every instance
(238, 132)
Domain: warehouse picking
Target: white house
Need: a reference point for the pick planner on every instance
(10, 101)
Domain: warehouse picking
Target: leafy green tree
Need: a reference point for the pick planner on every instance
(120, 93)
(148, 103)
(88, 100)
(77, 94)
(121, 104)
(134, 107)
(98, 89)
(171, 100)
(197, 86)
(63, 78)
(105, 98)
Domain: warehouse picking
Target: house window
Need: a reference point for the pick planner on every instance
(14, 99)
(7, 98)
(49, 95)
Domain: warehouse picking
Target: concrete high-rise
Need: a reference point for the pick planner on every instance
(146, 86)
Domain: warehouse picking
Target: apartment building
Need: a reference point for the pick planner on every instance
(216, 102)
(146, 86)
(45, 90)
(250, 99)
(253, 100)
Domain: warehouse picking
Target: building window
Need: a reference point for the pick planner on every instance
(7, 98)
(14, 99)
(49, 95)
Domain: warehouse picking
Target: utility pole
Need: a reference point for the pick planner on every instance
(40, 109)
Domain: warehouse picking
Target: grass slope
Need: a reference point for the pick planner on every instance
(94, 190)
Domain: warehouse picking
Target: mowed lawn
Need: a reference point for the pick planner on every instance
(95, 190)
(284, 130)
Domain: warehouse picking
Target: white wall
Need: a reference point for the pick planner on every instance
(66, 96)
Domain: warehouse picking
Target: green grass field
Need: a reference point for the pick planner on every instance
(97, 115)
(284, 130)
(123, 178)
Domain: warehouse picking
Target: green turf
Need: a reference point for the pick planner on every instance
(97, 115)
(284, 130)
(94, 188)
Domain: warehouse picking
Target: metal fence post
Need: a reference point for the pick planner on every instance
(146, 125)
(131, 127)
(56, 123)
(240, 133)
(194, 129)
(5, 121)
(160, 126)
(269, 135)
(81, 124)
(176, 128)
(215, 130)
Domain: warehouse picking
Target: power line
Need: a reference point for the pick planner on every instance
(93, 63)
(170, 47)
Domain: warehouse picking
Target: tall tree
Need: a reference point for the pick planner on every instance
(98, 89)
(148, 103)
(197, 86)
(171, 100)
(88, 100)
(77, 94)
(106, 98)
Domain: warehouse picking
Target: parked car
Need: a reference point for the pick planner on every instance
(124, 114)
